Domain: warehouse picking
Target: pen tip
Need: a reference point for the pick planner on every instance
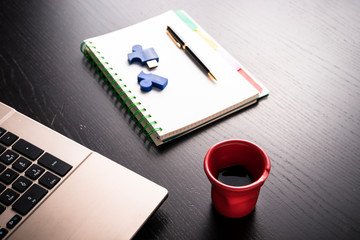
(211, 76)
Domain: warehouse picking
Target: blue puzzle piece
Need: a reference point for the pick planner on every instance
(147, 80)
(143, 56)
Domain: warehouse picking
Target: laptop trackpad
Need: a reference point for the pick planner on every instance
(100, 200)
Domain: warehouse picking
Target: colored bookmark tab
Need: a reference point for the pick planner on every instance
(250, 80)
(186, 19)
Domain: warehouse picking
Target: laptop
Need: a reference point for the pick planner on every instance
(54, 188)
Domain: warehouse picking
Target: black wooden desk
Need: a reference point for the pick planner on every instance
(306, 52)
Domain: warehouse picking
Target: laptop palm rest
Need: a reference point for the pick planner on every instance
(100, 200)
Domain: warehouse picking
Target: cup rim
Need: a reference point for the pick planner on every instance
(254, 184)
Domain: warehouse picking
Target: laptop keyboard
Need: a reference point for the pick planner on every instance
(27, 174)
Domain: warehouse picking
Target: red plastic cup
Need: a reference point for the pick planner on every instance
(236, 201)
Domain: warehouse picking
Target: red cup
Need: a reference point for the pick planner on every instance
(236, 201)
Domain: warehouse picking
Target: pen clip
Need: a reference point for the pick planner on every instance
(176, 39)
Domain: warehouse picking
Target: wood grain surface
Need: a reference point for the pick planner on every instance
(306, 52)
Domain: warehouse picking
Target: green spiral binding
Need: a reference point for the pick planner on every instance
(119, 90)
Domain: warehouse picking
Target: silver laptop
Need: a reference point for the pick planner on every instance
(54, 188)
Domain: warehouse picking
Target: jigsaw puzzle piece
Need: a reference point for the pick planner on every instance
(147, 80)
(148, 56)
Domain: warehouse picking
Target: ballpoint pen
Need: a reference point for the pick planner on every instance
(181, 44)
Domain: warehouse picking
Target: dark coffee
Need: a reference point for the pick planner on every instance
(236, 175)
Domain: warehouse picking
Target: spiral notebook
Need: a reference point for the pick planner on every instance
(190, 100)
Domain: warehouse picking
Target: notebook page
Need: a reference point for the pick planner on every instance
(190, 97)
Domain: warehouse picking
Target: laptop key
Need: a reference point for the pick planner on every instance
(8, 138)
(13, 221)
(49, 180)
(30, 198)
(21, 184)
(34, 172)
(2, 148)
(2, 209)
(8, 157)
(21, 164)
(8, 176)
(2, 131)
(2, 167)
(8, 197)
(54, 164)
(2, 187)
(27, 149)
(3, 233)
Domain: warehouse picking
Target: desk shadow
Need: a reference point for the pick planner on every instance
(153, 226)
(232, 228)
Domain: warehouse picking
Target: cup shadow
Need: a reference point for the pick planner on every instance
(232, 228)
